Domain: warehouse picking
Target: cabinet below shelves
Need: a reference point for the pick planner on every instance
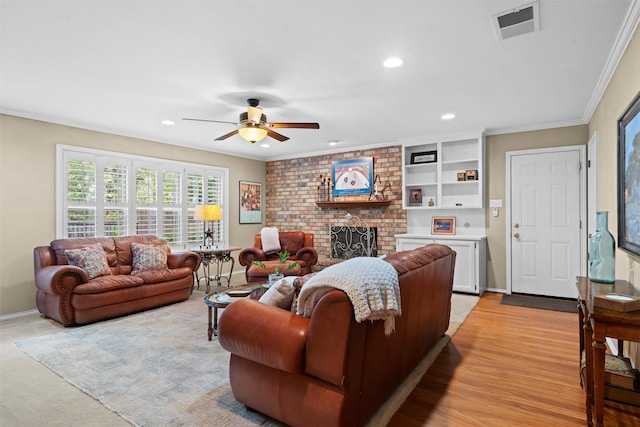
(470, 274)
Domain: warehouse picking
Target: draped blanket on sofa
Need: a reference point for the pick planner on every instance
(370, 283)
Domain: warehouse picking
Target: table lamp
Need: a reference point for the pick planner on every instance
(209, 213)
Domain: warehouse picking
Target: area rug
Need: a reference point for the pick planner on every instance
(157, 368)
(545, 303)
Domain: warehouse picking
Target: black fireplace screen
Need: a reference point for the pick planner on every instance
(349, 241)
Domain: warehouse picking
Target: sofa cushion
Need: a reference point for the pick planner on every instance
(148, 257)
(92, 259)
(108, 283)
(292, 241)
(164, 275)
(280, 294)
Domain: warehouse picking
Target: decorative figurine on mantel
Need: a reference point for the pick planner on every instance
(378, 189)
(325, 190)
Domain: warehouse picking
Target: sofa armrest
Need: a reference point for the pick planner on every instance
(264, 334)
(247, 256)
(183, 259)
(60, 279)
(308, 255)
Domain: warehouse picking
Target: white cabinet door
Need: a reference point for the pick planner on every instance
(470, 271)
(464, 277)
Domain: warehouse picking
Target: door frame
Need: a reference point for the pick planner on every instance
(583, 202)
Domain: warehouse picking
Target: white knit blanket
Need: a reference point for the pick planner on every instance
(370, 283)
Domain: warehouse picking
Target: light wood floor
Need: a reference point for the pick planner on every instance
(507, 366)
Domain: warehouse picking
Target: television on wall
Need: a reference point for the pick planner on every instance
(629, 178)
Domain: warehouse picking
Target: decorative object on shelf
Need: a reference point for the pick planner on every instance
(415, 197)
(209, 213)
(424, 157)
(602, 257)
(325, 189)
(471, 175)
(431, 202)
(277, 273)
(378, 189)
(250, 202)
(462, 176)
(353, 176)
(443, 225)
(629, 179)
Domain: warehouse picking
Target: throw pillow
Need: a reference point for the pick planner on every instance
(92, 259)
(280, 294)
(148, 257)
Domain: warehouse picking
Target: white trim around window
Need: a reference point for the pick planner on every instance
(104, 193)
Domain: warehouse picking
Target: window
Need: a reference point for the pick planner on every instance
(102, 193)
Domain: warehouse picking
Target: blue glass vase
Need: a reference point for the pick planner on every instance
(602, 259)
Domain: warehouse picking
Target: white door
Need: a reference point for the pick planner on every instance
(545, 206)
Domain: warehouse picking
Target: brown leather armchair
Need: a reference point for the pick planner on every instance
(329, 370)
(299, 245)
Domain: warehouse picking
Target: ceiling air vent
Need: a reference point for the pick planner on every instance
(518, 21)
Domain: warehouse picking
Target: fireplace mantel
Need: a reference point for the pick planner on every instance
(355, 204)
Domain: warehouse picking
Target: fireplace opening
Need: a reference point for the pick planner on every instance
(353, 238)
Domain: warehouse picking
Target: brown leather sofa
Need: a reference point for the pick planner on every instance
(66, 294)
(329, 370)
(299, 245)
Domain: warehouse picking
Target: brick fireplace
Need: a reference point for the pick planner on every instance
(291, 192)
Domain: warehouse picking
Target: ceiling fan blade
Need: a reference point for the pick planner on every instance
(276, 135)
(295, 125)
(206, 120)
(228, 135)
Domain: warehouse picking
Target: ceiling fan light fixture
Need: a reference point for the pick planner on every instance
(252, 134)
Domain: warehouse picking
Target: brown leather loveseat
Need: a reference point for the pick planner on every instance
(299, 245)
(67, 294)
(329, 370)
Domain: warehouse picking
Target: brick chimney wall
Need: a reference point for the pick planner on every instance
(292, 187)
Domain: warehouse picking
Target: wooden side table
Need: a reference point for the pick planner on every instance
(596, 324)
(218, 255)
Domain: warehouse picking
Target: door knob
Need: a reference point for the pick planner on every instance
(516, 235)
(516, 225)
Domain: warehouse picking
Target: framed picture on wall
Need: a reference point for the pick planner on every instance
(629, 178)
(250, 202)
(443, 225)
(354, 176)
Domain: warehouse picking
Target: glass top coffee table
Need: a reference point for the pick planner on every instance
(214, 301)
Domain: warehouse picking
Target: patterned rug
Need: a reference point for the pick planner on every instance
(157, 368)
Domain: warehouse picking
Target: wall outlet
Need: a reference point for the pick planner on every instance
(495, 203)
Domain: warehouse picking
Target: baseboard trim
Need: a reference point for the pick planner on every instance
(18, 314)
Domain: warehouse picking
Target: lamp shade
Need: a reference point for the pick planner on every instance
(252, 134)
(208, 213)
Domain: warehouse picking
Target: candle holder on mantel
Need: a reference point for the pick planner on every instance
(325, 189)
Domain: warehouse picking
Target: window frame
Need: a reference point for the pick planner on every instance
(65, 153)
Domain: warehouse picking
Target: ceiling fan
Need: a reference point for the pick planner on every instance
(254, 126)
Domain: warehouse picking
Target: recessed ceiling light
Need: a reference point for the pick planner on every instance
(265, 145)
(332, 143)
(393, 62)
(168, 122)
(447, 116)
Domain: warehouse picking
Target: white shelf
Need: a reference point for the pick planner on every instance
(438, 180)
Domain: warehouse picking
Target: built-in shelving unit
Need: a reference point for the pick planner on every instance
(355, 204)
(434, 184)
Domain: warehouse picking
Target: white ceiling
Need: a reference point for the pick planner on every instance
(123, 66)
